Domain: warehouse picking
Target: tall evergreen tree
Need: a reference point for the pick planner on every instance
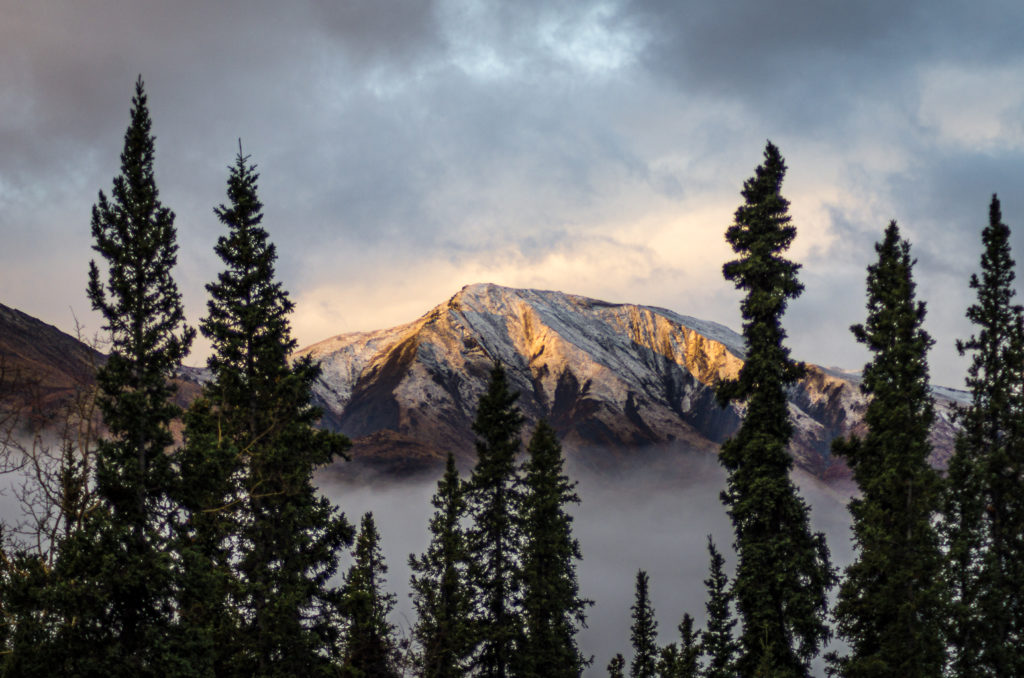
(494, 500)
(643, 633)
(438, 583)
(552, 608)
(783, 573)
(369, 643)
(717, 642)
(142, 311)
(891, 602)
(114, 576)
(984, 510)
(289, 537)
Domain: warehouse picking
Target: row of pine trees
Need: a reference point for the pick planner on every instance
(213, 554)
(937, 584)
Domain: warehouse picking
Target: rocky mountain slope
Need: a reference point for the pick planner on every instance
(613, 379)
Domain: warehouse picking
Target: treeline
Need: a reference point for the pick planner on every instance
(193, 543)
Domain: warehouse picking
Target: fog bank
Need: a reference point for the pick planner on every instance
(654, 517)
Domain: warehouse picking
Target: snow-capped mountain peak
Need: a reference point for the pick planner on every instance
(609, 377)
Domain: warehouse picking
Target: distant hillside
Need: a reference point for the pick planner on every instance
(40, 365)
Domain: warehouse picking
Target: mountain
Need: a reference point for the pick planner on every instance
(40, 366)
(615, 380)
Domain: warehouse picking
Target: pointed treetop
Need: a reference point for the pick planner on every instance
(138, 140)
(644, 631)
(762, 231)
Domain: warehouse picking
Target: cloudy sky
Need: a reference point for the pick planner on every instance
(410, 147)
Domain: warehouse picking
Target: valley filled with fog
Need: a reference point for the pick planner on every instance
(654, 516)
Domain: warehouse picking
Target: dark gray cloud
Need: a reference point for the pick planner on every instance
(803, 64)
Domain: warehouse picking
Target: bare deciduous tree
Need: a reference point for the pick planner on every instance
(47, 448)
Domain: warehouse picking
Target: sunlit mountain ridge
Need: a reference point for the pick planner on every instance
(613, 379)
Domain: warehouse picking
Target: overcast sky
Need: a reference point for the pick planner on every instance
(409, 148)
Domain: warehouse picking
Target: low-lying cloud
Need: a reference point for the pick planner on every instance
(653, 517)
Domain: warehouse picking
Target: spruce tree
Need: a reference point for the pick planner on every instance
(717, 642)
(552, 608)
(369, 643)
(984, 512)
(891, 602)
(783, 573)
(617, 667)
(493, 498)
(289, 537)
(142, 311)
(114, 577)
(643, 633)
(690, 649)
(682, 660)
(438, 583)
